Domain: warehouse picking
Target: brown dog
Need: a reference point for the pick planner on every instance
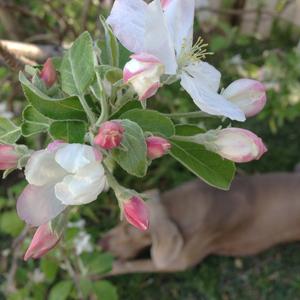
(195, 220)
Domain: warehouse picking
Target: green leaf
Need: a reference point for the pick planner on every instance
(151, 120)
(132, 156)
(56, 109)
(50, 268)
(105, 290)
(97, 263)
(10, 223)
(68, 131)
(188, 130)
(77, 68)
(111, 44)
(126, 107)
(9, 132)
(33, 122)
(86, 287)
(208, 166)
(61, 290)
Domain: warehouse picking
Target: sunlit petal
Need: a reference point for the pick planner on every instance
(38, 204)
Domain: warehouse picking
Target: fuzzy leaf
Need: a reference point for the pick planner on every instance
(77, 68)
(68, 131)
(9, 132)
(132, 156)
(57, 109)
(151, 120)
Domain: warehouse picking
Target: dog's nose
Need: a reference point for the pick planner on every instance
(104, 243)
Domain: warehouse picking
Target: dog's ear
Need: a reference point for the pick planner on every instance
(167, 241)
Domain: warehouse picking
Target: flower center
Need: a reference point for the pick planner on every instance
(197, 53)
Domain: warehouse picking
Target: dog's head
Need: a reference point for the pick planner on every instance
(125, 242)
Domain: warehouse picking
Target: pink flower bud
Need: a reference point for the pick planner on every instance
(249, 95)
(157, 147)
(136, 213)
(48, 73)
(110, 135)
(238, 145)
(143, 71)
(8, 157)
(42, 242)
(165, 3)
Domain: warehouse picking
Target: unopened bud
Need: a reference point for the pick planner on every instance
(42, 242)
(8, 157)
(110, 135)
(136, 213)
(236, 144)
(157, 147)
(249, 95)
(48, 73)
(143, 71)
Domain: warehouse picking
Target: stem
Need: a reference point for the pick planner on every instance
(87, 109)
(196, 114)
(102, 100)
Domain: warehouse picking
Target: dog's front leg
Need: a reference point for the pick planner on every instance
(134, 266)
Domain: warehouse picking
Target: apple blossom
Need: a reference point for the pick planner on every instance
(48, 73)
(136, 213)
(143, 71)
(8, 157)
(42, 242)
(249, 95)
(67, 174)
(236, 144)
(157, 146)
(110, 135)
(167, 33)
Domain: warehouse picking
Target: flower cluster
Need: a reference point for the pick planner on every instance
(89, 107)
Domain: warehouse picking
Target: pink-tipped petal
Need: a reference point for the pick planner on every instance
(8, 157)
(55, 145)
(42, 242)
(157, 147)
(136, 213)
(48, 73)
(110, 135)
(239, 145)
(150, 92)
(249, 95)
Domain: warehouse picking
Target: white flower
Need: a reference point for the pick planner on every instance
(83, 243)
(61, 175)
(165, 30)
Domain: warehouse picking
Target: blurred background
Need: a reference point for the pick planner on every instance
(258, 39)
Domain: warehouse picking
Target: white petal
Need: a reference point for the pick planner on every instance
(205, 73)
(38, 205)
(180, 21)
(207, 99)
(42, 168)
(127, 20)
(158, 41)
(82, 188)
(73, 157)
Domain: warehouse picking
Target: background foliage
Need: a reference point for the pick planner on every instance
(274, 274)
